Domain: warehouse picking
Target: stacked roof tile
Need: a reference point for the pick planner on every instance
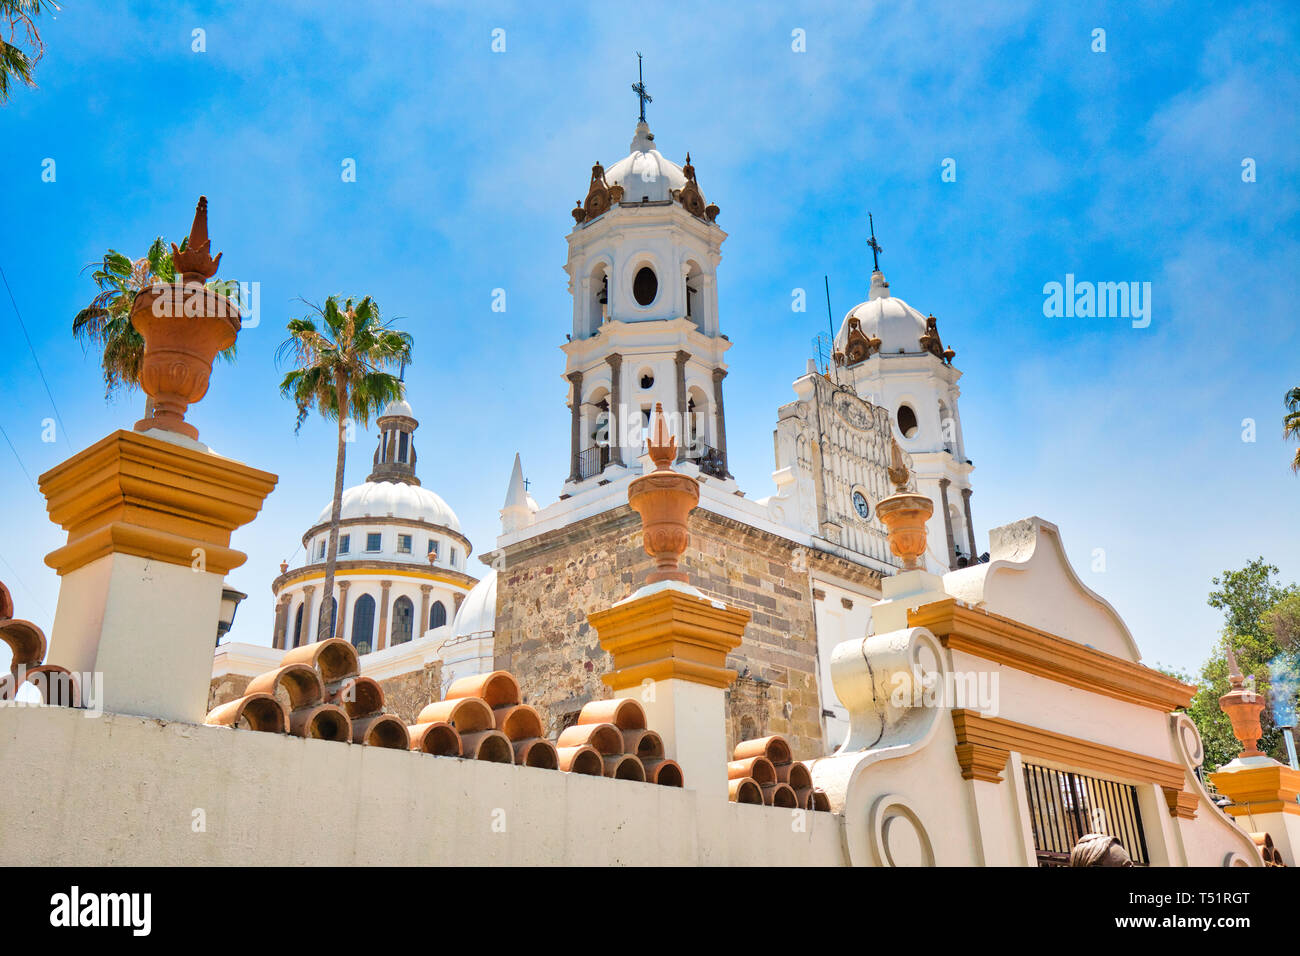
(764, 772)
(26, 643)
(316, 692)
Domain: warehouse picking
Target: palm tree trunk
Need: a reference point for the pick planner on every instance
(323, 632)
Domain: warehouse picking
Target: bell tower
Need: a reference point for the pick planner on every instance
(642, 264)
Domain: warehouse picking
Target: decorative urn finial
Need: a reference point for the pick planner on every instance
(193, 263)
(904, 513)
(184, 325)
(1243, 707)
(664, 499)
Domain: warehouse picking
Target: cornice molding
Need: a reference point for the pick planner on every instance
(1005, 641)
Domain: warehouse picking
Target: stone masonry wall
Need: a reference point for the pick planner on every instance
(547, 585)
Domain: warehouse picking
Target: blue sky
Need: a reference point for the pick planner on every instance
(1115, 166)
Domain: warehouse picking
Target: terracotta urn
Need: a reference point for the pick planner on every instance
(664, 499)
(184, 327)
(904, 515)
(1243, 708)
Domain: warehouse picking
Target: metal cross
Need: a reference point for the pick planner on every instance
(639, 88)
(875, 247)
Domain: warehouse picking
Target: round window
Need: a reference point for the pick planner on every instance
(645, 286)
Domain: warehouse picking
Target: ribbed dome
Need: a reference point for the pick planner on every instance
(645, 172)
(382, 499)
(478, 612)
(898, 326)
(399, 407)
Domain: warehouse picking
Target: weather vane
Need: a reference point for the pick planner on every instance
(875, 247)
(639, 88)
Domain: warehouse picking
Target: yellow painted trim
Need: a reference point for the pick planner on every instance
(997, 733)
(1005, 641)
(137, 494)
(1271, 788)
(373, 572)
(669, 635)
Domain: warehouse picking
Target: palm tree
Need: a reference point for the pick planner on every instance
(106, 322)
(1291, 422)
(15, 64)
(340, 373)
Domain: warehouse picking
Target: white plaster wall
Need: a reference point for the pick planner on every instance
(125, 791)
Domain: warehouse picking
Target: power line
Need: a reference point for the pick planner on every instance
(23, 325)
(20, 459)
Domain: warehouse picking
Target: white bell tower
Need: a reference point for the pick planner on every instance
(891, 355)
(642, 264)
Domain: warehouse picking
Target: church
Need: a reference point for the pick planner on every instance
(648, 329)
(655, 668)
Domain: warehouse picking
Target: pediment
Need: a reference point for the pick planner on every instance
(1029, 578)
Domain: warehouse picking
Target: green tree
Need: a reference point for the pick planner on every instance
(106, 322)
(340, 373)
(19, 24)
(1291, 421)
(1261, 618)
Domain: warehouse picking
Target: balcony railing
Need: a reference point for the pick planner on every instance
(592, 461)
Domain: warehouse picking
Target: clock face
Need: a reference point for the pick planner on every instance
(860, 505)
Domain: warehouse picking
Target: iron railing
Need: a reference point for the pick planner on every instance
(1063, 806)
(592, 461)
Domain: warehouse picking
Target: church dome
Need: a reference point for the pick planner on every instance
(396, 499)
(888, 318)
(478, 612)
(399, 407)
(645, 172)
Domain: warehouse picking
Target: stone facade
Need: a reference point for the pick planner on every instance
(404, 695)
(407, 694)
(548, 585)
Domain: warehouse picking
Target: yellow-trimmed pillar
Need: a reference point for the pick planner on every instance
(149, 523)
(670, 646)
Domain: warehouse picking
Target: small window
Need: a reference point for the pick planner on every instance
(451, 557)
(645, 286)
(320, 551)
(345, 542)
(403, 544)
(433, 547)
(373, 541)
(906, 420)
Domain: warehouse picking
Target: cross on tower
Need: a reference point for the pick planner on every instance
(875, 247)
(639, 88)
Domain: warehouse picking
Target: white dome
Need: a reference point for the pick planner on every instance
(397, 499)
(478, 612)
(645, 172)
(399, 407)
(898, 326)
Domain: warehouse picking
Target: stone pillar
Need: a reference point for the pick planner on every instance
(970, 525)
(718, 375)
(682, 358)
(615, 408)
(575, 470)
(341, 622)
(308, 612)
(669, 649)
(422, 624)
(947, 522)
(281, 622)
(456, 600)
(382, 640)
(149, 521)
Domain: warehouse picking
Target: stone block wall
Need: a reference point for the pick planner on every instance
(548, 584)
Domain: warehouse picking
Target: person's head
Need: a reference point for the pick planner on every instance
(1099, 849)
